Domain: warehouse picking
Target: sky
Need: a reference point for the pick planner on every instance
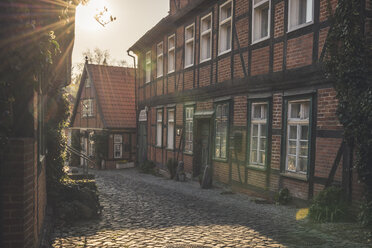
(133, 19)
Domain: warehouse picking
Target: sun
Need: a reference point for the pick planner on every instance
(85, 15)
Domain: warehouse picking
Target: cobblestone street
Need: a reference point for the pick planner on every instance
(146, 211)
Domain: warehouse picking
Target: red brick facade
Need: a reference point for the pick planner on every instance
(24, 195)
(279, 70)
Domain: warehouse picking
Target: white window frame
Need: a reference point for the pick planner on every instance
(87, 109)
(205, 33)
(170, 129)
(223, 22)
(159, 127)
(159, 59)
(148, 67)
(189, 132)
(218, 121)
(187, 41)
(292, 28)
(172, 52)
(259, 122)
(298, 122)
(254, 8)
(88, 82)
(118, 141)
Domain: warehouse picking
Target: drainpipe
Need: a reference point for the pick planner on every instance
(135, 98)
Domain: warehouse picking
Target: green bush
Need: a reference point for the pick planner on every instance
(147, 167)
(172, 167)
(365, 213)
(329, 206)
(283, 197)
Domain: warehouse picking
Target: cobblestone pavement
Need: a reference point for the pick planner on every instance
(146, 211)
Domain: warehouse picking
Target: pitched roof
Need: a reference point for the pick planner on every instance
(115, 91)
(165, 25)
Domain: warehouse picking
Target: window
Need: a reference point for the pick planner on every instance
(258, 141)
(148, 67)
(206, 38)
(298, 136)
(88, 82)
(260, 20)
(189, 45)
(170, 141)
(159, 59)
(91, 145)
(159, 127)
(87, 107)
(300, 13)
(189, 129)
(225, 28)
(222, 117)
(118, 145)
(171, 53)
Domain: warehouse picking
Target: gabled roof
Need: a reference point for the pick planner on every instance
(164, 25)
(114, 87)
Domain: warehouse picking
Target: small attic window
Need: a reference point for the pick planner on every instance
(88, 82)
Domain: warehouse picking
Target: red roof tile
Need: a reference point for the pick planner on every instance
(115, 90)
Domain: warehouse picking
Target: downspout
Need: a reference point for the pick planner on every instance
(135, 99)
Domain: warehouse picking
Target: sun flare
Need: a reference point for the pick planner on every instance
(85, 14)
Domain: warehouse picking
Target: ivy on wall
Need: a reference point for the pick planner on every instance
(348, 63)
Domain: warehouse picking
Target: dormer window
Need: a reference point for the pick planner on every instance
(88, 82)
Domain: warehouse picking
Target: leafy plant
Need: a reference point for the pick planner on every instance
(365, 213)
(283, 197)
(348, 64)
(147, 167)
(172, 167)
(329, 206)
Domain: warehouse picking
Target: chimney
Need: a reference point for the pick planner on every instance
(176, 5)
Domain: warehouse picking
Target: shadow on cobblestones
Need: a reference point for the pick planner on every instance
(146, 211)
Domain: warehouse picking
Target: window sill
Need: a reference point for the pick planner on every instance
(204, 60)
(224, 52)
(298, 176)
(257, 167)
(188, 66)
(169, 149)
(299, 26)
(188, 153)
(170, 72)
(261, 39)
(158, 147)
(87, 116)
(220, 160)
(160, 76)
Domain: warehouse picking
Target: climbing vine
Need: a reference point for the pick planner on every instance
(348, 64)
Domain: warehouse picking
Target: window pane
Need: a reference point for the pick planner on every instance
(263, 130)
(257, 111)
(255, 130)
(254, 156)
(305, 107)
(292, 147)
(295, 110)
(262, 144)
(304, 132)
(254, 143)
(292, 132)
(262, 157)
(302, 164)
(303, 148)
(291, 163)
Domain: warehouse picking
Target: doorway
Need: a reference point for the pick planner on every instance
(202, 146)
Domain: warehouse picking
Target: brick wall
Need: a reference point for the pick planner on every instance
(300, 51)
(23, 195)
